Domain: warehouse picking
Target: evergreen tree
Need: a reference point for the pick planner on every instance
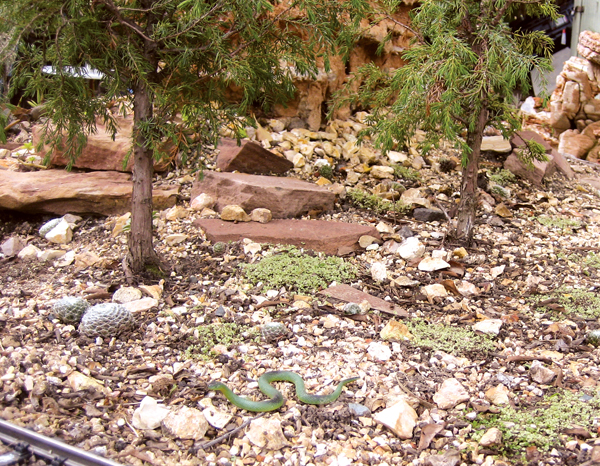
(462, 70)
(172, 61)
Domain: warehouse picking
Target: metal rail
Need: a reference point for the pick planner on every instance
(49, 448)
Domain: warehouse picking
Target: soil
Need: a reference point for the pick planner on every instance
(38, 352)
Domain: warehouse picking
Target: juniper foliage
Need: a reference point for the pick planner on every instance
(173, 61)
(460, 75)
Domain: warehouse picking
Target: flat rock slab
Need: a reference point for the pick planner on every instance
(61, 192)
(284, 197)
(249, 157)
(318, 235)
(351, 295)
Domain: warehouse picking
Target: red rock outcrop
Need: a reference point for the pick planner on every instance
(61, 192)
(284, 197)
(249, 157)
(101, 152)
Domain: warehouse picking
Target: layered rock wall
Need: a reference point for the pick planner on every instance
(575, 103)
(310, 104)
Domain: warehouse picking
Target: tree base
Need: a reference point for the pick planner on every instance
(152, 269)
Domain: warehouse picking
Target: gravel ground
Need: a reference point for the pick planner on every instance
(523, 272)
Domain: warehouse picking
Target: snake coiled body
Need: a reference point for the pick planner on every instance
(276, 398)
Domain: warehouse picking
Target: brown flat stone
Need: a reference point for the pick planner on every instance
(520, 139)
(284, 197)
(352, 295)
(250, 157)
(318, 235)
(534, 174)
(60, 192)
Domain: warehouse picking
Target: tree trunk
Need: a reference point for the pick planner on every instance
(467, 208)
(141, 249)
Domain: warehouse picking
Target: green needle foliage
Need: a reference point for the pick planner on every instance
(172, 61)
(460, 75)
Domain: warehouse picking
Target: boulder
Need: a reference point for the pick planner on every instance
(102, 151)
(520, 138)
(589, 46)
(284, 197)
(562, 165)
(249, 157)
(571, 99)
(60, 192)
(558, 117)
(534, 174)
(318, 235)
(592, 131)
(594, 154)
(574, 144)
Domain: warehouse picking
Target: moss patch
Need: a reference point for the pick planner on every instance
(503, 177)
(567, 225)
(453, 340)
(376, 204)
(585, 304)
(405, 173)
(206, 337)
(295, 270)
(543, 425)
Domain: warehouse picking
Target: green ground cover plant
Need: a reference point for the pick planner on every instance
(503, 177)
(206, 337)
(405, 173)
(583, 303)
(567, 225)
(543, 425)
(590, 261)
(447, 338)
(376, 204)
(295, 270)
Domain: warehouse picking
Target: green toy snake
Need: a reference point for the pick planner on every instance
(276, 401)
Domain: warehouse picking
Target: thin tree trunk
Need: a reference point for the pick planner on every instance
(141, 249)
(467, 208)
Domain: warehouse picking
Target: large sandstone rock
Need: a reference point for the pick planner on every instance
(310, 102)
(249, 157)
(573, 103)
(589, 46)
(60, 192)
(574, 144)
(519, 141)
(496, 144)
(101, 151)
(284, 197)
(534, 174)
(318, 235)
